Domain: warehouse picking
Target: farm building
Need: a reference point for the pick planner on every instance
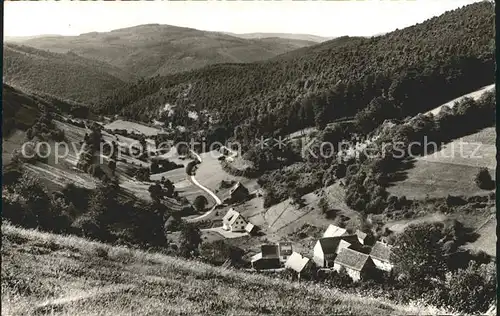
(326, 249)
(285, 250)
(238, 192)
(298, 264)
(249, 228)
(233, 221)
(357, 265)
(268, 258)
(381, 256)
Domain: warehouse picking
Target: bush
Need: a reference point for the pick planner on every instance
(483, 179)
(472, 290)
(200, 202)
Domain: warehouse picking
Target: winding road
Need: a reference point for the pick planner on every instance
(218, 201)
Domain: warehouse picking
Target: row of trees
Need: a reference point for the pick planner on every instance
(366, 179)
(103, 214)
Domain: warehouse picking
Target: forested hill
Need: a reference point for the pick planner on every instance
(155, 49)
(419, 67)
(65, 76)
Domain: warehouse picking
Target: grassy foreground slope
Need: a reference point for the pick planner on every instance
(51, 274)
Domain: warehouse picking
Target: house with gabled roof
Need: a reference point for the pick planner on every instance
(267, 258)
(298, 264)
(326, 249)
(238, 192)
(233, 221)
(381, 256)
(285, 250)
(356, 264)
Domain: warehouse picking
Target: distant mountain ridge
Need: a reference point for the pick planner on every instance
(155, 49)
(419, 67)
(302, 37)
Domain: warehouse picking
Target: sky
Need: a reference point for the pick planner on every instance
(323, 18)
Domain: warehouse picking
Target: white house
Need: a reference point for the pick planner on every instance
(326, 249)
(356, 264)
(297, 263)
(233, 221)
(285, 250)
(381, 256)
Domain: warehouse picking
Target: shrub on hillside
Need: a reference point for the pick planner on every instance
(200, 202)
(472, 290)
(189, 240)
(418, 255)
(483, 179)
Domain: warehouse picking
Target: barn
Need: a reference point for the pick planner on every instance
(381, 256)
(356, 264)
(326, 249)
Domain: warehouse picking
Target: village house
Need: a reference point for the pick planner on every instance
(268, 258)
(356, 264)
(233, 221)
(238, 192)
(357, 240)
(285, 250)
(326, 249)
(298, 264)
(381, 256)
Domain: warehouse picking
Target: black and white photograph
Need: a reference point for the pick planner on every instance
(249, 158)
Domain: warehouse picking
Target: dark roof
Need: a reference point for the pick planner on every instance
(237, 186)
(329, 244)
(381, 251)
(269, 251)
(352, 259)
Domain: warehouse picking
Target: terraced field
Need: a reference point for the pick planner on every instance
(133, 127)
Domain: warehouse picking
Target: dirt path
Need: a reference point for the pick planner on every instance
(217, 200)
(474, 95)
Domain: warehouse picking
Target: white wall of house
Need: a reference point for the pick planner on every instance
(355, 275)
(238, 225)
(382, 265)
(318, 256)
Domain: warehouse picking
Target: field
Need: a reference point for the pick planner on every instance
(182, 183)
(133, 127)
(14, 141)
(210, 174)
(57, 275)
(488, 237)
(452, 169)
(284, 221)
